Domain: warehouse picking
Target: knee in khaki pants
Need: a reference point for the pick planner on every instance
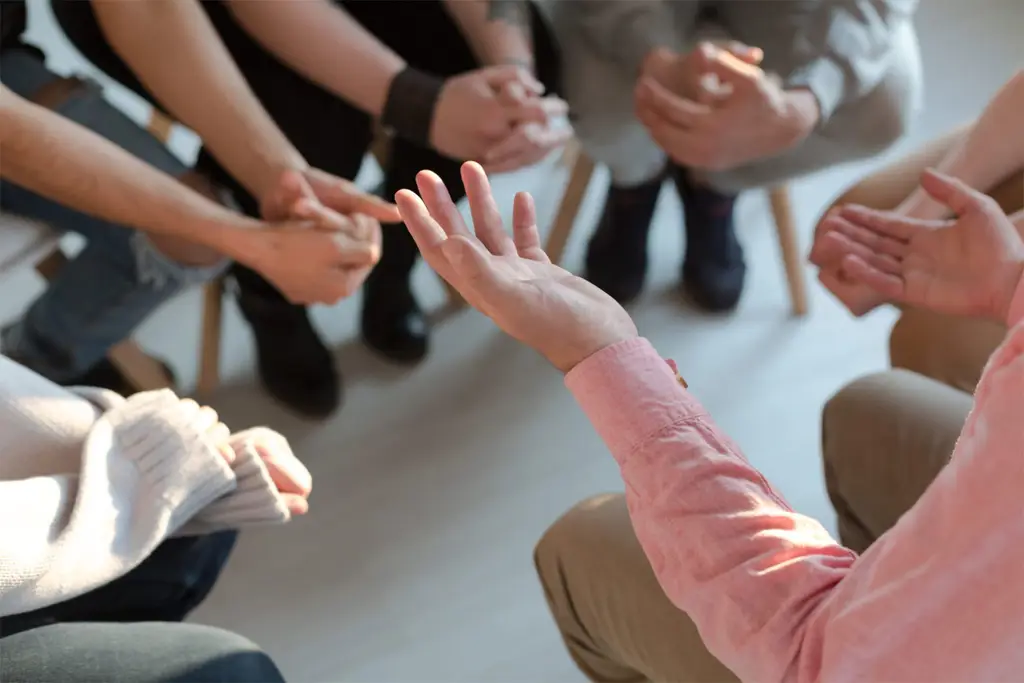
(616, 622)
(949, 349)
(885, 437)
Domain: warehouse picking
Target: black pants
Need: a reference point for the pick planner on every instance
(330, 133)
(128, 630)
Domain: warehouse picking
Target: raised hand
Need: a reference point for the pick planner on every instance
(968, 265)
(509, 278)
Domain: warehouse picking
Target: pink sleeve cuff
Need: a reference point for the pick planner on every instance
(630, 394)
(1017, 306)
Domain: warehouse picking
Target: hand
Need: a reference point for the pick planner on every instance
(216, 432)
(330, 192)
(968, 265)
(743, 116)
(859, 299)
(510, 279)
(684, 75)
(287, 472)
(320, 256)
(531, 141)
(471, 116)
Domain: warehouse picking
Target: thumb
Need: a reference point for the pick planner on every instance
(952, 193)
(728, 67)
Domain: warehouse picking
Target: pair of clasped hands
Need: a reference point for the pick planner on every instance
(325, 233)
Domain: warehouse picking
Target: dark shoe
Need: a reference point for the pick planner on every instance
(105, 375)
(393, 324)
(295, 366)
(617, 253)
(713, 270)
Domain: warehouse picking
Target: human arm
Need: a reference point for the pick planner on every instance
(64, 161)
(990, 151)
(497, 30)
(846, 47)
(201, 85)
(321, 41)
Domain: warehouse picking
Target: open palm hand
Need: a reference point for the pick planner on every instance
(968, 265)
(510, 278)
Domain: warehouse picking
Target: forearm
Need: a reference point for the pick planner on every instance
(991, 151)
(176, 53)
(323, 43)
(497, 30)
(70, 164)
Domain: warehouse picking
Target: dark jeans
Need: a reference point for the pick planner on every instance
(127, 630)
(329, 132)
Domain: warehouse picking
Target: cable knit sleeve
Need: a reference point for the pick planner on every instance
(86, 495)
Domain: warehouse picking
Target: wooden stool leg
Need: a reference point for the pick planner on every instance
(789, 245)
(209, 348)
(160, 126)
(575, 191)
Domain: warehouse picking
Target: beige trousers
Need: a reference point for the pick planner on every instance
(884, 438)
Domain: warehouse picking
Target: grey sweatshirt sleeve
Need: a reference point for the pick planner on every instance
(623, 31)
(844, 48)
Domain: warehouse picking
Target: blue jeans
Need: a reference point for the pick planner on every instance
(119, 278)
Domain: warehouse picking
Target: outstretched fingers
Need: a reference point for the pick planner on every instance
(889, 285)
(439, 203)
(486, 216)
(524, 229)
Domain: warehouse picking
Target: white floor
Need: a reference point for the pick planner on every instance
(432, 485)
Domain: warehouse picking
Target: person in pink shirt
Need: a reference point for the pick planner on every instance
(767, 591)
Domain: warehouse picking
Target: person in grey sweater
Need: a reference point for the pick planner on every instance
(775, 90)
(118, 517)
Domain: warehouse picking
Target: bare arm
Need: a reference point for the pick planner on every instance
(61, 160)
(322, 42)
(990, 152)
(497, 30)
(176, 53)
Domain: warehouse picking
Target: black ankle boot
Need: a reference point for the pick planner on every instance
(713, 270)
(617, 253)
(393, 323)
(295, 366)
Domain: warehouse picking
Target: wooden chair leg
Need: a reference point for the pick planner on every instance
(789, 245)
(160, 126)
(209, 349)
(579, 180)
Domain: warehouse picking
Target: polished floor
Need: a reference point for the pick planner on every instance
(432, 485)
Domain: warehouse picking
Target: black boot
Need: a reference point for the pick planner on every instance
(106, 375)
(713, 270)
(393, 323)
(617, 253)
(294, 364)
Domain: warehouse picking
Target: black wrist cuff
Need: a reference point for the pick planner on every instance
(409, 109)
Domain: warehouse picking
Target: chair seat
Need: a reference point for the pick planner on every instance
(23, 243)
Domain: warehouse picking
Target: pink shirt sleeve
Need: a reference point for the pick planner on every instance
(773, 595)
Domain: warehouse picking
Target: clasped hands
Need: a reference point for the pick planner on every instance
(500, 117)
(715, 109)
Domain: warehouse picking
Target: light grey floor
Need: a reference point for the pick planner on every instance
(432, 485)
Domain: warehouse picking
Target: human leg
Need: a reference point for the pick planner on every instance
(616, 621)
(884, 439)
(121, 275)
(133, 653)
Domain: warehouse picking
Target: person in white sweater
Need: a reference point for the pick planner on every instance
(120, 511)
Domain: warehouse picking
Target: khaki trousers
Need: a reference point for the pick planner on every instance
(884, 438)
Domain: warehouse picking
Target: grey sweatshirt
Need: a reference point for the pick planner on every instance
(91, 484)
(839, 49)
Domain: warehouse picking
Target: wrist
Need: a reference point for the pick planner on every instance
(800, 113)
(410, 105)
(235, 236)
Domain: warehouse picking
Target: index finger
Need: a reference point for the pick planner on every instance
(886, 223)
(673, 109)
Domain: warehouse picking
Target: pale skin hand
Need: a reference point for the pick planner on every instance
(287, 472)
(968, 265)
(745, 117)
(509, 278)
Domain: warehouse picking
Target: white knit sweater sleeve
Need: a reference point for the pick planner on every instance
(86, 495)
